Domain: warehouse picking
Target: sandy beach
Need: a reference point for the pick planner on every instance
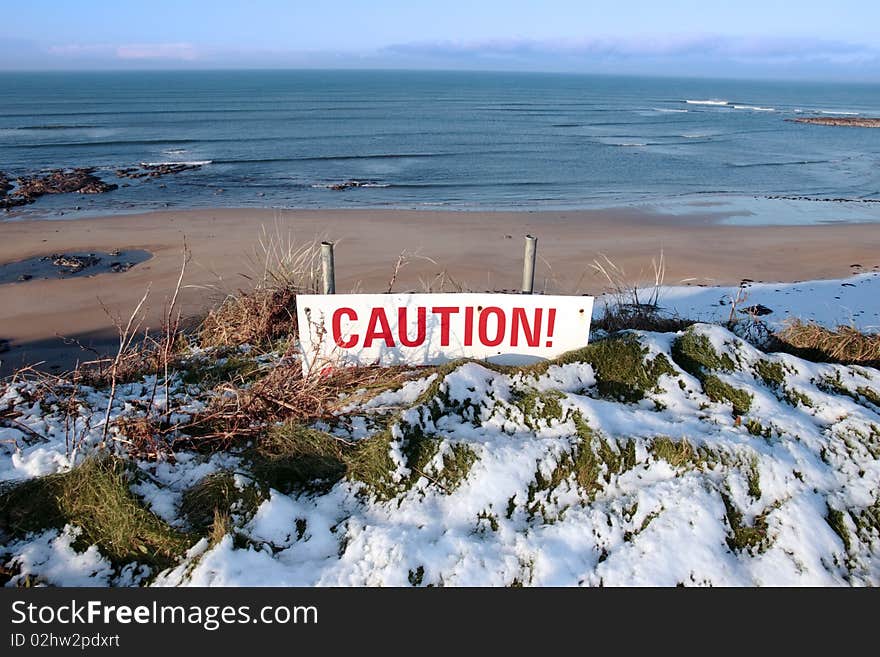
(480, 250)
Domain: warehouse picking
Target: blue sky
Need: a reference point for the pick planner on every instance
(768, 38)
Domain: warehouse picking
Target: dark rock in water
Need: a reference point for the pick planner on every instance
(73, 263)
(351, 184)
(5, 185)
(845, 121)
(58, 181)
(146, 170)
(757, 310)
(4, 345)
(119, 267)
(25, 277)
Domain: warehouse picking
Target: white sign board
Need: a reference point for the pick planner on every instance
(428, 329)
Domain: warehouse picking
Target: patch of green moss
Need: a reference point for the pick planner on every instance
(694, 354)
(753, 481)
(773, 374)
(416, 576)
(757, 429)
(622, 371)
(677, 453)
(485, 517)
(752, 538)
(836, 520)
(370, 462)
(870, 395)
(795, 397)
(719, 391)
(867, 521)
(537, 406)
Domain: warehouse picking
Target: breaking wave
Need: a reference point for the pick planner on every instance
(191, 163)
(707, 102)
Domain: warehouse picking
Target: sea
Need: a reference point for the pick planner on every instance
(446, 141)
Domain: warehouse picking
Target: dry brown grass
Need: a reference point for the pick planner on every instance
(284, 394)
(266, 312)
(845, 344)
(259, 317)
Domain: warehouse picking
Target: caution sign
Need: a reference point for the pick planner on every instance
(428, 329)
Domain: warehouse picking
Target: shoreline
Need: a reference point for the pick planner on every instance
(479, 250)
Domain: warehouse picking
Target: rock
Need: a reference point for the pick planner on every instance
(758, 310)
(58, 181)
(72, 263)
(146, 170)
(350, 184)
(845, 121)
(25, 277)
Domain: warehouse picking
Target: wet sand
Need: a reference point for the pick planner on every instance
(480, 250)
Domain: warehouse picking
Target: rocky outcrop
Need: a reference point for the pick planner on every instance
(846, 121)
(156, 170)
(58, 181)
(72, 263)
(351, 184)
(821, 199)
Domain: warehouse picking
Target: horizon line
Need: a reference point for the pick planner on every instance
(401, 69)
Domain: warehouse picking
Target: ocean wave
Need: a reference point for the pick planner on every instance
(116, 142)
(707, 102)
(669, 110)
(839, 113)
(55, 127)
(755, 108)
(748, 165)
(191, 163)
(175, 151)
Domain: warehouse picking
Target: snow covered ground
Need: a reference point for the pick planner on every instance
(648, 459)
(849, 301)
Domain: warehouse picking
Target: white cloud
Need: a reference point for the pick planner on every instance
(181, 51)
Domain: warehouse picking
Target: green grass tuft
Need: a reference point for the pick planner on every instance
(752, 538)
(772, 374)
(694, 354)
(293, 457)
(622, 372)
(837, 522)
(215, 497)
(95, 496)
(719, 391)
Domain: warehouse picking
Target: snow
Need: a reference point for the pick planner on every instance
(788, 464)
(848, 301)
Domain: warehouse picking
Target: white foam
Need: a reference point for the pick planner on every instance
(191, 163)
(841, 113)
(706, 102)
(666, 109)
(755, 108)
